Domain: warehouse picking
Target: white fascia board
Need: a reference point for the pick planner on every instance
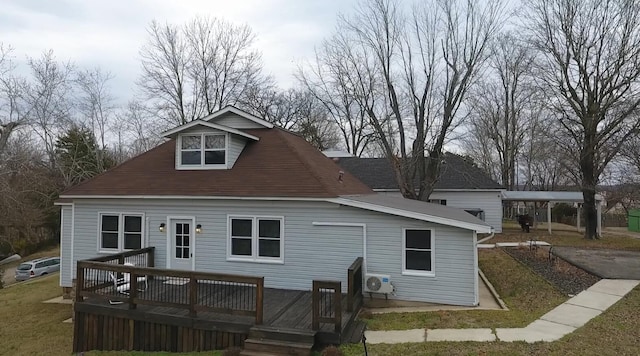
(188, 197)
(413, 215)
(209, 125)
(62, 204)
(241, 113)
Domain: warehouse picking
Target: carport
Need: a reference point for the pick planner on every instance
(551, 197)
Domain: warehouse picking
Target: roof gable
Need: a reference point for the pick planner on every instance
(186, 127)
(234, 117)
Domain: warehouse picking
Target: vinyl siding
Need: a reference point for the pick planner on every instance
(489, 201)
(65, 245)
(235, 146)
(310, 251)
(236, 121)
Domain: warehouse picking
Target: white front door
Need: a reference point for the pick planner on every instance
(181, 241)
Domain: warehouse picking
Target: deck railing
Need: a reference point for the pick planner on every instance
(195, 291)
(326, 304)
(354, 285)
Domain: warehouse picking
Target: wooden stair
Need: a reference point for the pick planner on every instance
(268, 341)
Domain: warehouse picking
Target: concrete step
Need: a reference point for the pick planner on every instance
(282, 334)
(276, 347)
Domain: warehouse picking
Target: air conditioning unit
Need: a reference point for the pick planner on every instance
(378, 283)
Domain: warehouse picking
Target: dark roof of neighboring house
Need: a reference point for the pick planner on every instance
(280, 164)
(456, 173)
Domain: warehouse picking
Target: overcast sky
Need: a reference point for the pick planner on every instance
(109, 33)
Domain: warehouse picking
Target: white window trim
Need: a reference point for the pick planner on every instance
(254, 240)
(202, 165)
(411, 272)
(121, 215)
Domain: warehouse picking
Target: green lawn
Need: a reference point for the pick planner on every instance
(615, 332)
(527, 295)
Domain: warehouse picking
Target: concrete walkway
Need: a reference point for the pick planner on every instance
(562, 320)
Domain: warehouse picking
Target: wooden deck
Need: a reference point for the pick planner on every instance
(122, 306)
(283, 308)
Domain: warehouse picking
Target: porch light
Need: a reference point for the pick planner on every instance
(162, 225)
(198, 228)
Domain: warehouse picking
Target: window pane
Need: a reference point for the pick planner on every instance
(178, 228)
(191, 142)
(418, 239)
(178, 252)
(185, 252)
(241, 227)
(269, 228)
(185, 240)
(214, 157)
(241, 247)
(132, 241)
(418, 260)
(109, 222)
(109, 240)
(269, 248)
(133, 224)
(178, 240)
(214, 141)
(190, 157)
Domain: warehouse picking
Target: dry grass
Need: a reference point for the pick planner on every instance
(565, 235)
(615, 332)
(527, 295)
(30, 327)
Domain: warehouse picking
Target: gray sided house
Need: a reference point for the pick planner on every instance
(461, 184)
(230, 193)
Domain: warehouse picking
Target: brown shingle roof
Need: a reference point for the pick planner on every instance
(280, 164)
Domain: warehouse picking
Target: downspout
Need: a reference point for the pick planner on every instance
(493, 233)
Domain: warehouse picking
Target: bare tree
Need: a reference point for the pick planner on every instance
(48, 94)
(411, 75)
(590, 61)
(331, 82)
(137, 130)
(501, 108)
(14, 111)
(98, 105)
(193, 70)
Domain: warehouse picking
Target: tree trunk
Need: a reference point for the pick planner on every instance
(587, 165)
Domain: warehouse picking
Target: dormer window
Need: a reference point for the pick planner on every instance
(203, 151)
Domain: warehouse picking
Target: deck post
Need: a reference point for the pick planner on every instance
(259, 300)
(151, 258)
(193, 296)
(79, 282)
(315, 306)
(133, 289)
(337, 295)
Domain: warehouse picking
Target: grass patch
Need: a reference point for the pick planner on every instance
(527, 295)
(30, 327)
(563, 236)
(615, 332)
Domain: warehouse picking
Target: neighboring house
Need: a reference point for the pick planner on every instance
(461, 184)
(231, 193)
